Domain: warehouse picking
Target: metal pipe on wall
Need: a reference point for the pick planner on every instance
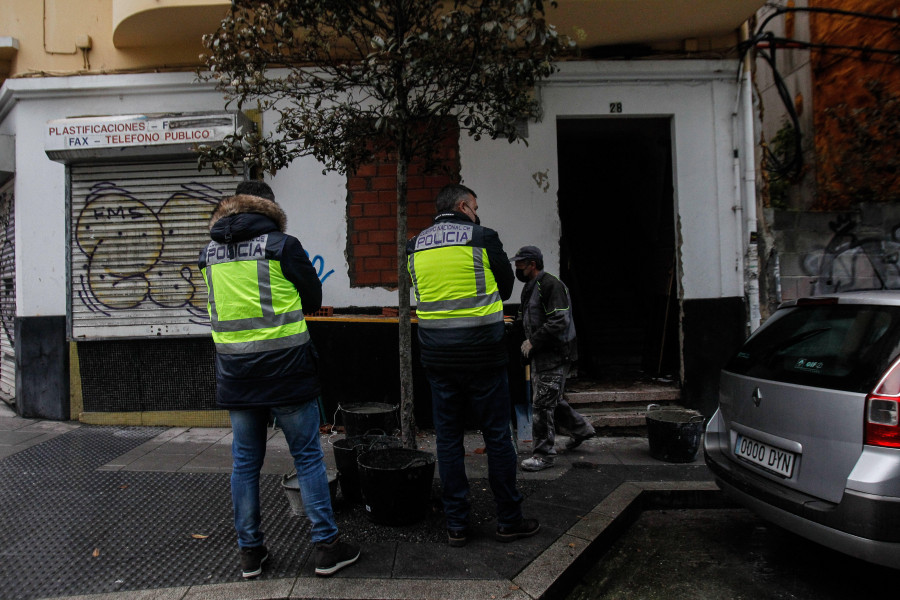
(748, 198)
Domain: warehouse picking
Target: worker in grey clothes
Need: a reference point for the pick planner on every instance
(545, 315)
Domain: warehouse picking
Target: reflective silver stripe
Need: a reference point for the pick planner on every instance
(412, 274)
(290, 341)
(294, 316)
(478, 259)
(459, 303)
(213, 313)
(264, 283)
(496, 317)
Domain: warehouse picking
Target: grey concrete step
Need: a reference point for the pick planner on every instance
(585, 393)
(619, 421)
(602, 419)
(618, 406)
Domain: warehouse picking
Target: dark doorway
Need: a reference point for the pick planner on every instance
(618, 250)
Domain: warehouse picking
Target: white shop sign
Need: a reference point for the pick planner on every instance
(136, 130)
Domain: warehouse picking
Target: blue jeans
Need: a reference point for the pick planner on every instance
(483, 395)
(300, 424)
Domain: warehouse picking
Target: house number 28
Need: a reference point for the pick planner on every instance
(615, 107)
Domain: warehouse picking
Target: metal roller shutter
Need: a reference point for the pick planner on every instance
(7, 293)
(136, 232)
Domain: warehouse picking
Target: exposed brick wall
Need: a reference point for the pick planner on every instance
(372, 211)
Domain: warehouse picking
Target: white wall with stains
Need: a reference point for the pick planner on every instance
(516, 184)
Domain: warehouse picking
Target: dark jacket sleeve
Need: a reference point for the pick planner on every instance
(500, 267)
(558, 313)
(518, 325)
(296, 267)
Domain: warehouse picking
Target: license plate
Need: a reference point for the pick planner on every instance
(768, 457)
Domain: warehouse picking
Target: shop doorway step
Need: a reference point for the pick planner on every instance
(617, 407)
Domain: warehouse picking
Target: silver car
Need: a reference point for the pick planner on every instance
(807, 432)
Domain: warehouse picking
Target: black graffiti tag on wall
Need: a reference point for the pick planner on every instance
(137, 255)
(848, 262)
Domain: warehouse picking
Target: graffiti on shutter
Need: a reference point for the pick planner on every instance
(7, 293)
(136, 233)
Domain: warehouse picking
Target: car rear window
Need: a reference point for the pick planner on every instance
(837, 346)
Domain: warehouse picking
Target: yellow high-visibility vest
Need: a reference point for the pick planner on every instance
(252, 306)
(453, 281)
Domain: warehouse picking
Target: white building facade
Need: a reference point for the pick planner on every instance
(634, 184)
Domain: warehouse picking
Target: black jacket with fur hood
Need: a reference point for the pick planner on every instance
(276, 377)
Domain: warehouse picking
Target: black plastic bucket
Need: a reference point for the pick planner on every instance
(674, 433)
(362, 417)
(396, 484)
(347, 450)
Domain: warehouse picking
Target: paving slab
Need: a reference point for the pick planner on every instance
(17, 437)
(245, 590)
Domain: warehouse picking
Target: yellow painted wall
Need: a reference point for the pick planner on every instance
(47, 32)
(161, 35)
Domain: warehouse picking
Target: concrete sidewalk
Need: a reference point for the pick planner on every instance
(145, 513)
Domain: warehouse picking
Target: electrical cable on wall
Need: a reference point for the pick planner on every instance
(765, 44)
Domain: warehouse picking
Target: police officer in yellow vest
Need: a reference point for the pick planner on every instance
(260, 281)
(461, 276)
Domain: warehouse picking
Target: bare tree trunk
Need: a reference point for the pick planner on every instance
(407, 416)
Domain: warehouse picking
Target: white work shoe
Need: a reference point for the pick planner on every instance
(536, 463)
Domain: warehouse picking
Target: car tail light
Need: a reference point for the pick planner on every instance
(883, 411)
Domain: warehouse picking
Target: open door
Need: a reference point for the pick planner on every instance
(618, 246)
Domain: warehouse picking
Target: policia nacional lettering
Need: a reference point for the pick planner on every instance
(444, 234)
(253, 307)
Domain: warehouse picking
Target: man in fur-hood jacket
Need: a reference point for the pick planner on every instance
(260, 281)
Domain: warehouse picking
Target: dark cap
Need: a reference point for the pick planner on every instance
(528, 253)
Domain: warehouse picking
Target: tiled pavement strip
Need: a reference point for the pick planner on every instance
(604, 479)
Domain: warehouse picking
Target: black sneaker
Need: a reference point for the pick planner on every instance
(457, 537)
(577, 439)
(525, 528)
(252, 560)
(334, 556)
